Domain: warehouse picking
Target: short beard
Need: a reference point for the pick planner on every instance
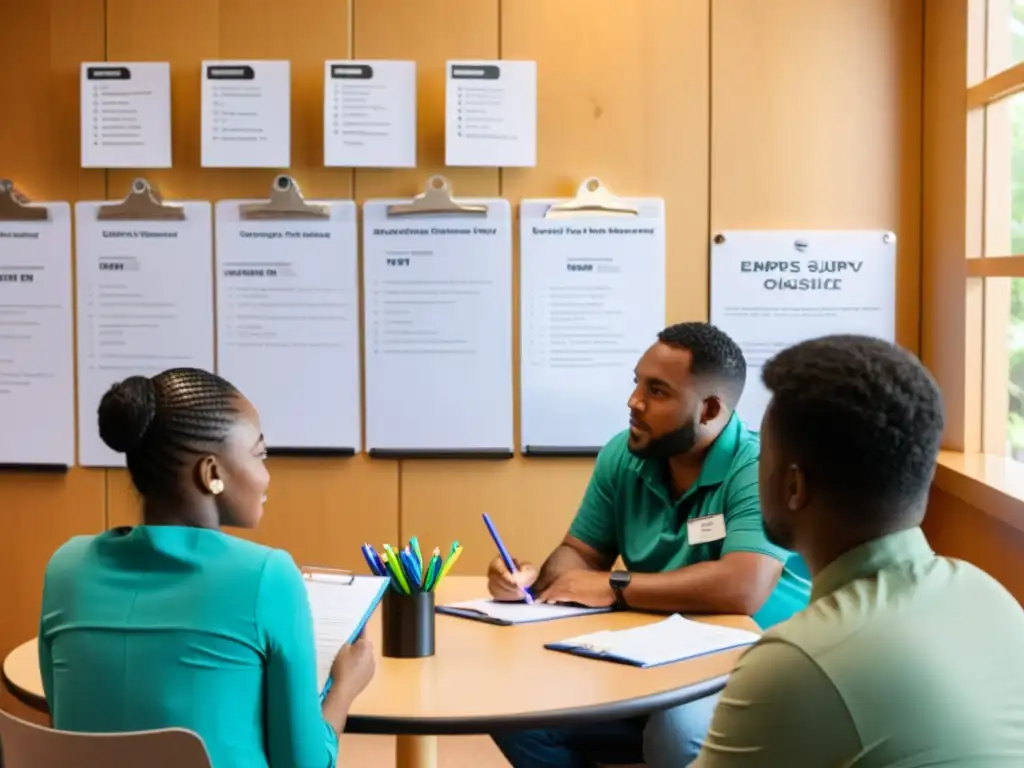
(674, 443)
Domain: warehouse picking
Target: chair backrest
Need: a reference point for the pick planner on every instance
(26, 745)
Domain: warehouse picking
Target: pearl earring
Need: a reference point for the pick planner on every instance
(216, 486)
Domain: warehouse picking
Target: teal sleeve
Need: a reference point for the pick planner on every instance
(45, 653)
(297, 734)
(594, 523)
(779, 709)
(744, 526)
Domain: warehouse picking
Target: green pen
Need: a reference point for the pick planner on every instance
(396, 568)
(433, 568)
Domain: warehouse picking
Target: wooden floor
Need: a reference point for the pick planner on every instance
(452, 752)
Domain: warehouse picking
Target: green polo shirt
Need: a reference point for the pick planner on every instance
(628, 510)
(903, 658)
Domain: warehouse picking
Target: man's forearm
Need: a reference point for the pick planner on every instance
(563, 559)
(710, 587)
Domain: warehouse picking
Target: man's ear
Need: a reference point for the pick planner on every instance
(209, 476)
(710, 409)
(797, 495)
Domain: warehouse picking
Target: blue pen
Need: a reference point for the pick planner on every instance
(412, 573)
(505, 556)
(371, 560)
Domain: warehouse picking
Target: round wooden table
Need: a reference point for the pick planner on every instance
(486, 678)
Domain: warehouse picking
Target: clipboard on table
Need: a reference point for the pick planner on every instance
(654, 645)
(508, 614)
(341, 604)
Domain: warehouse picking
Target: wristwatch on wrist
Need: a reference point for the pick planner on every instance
(619, 580)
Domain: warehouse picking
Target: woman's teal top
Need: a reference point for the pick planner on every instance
(164, 626)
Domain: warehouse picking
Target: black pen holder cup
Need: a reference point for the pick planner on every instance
(408, 624)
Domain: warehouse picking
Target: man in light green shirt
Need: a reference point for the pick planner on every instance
(903, 658)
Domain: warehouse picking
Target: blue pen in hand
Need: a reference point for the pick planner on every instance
(505, 556)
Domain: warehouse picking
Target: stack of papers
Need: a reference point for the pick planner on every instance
(340, 607)
(507, 614)
(652, 645)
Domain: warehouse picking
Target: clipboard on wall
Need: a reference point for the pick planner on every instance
(588, 265)
(287, 297)
(341, 604)
(17, 208)
(144, 290)
(424, 261)
(142, 203)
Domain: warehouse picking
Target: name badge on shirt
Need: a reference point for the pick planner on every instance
(705, 529)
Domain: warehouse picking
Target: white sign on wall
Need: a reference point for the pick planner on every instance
(773, 289)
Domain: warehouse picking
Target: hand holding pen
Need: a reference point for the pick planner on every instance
(506, 585)
(507, 578)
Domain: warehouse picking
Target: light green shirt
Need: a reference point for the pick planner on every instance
(903, 658)
(629, 510)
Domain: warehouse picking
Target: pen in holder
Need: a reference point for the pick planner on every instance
(408, 604)
(408, 624)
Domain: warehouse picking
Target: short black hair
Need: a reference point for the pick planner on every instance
(158, 422)
(861, 417)
(713, 355)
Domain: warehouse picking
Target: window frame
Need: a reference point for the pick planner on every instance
(965, 314)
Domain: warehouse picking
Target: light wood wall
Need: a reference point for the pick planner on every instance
(778, 113)
(958, 529)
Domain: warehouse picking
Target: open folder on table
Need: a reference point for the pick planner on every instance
(341, 604)
(507, 614)
(663, 642)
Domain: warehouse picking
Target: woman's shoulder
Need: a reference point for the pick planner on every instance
(72, 554)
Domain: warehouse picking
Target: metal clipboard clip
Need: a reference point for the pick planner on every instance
(332, 575)
(285, 202)
(592, 197)
(143, 203)
(436, 199)
(15, 206)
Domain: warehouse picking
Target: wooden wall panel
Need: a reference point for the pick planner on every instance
(957, 529)
(433, 506)
(320, 510)
(816, 123)
(596, 118)
(782, 113)
(43, 44)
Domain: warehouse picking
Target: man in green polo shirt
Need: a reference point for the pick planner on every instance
(903, 658)
(675, 496)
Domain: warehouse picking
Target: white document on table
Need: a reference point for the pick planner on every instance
(591, 301)
(288, 324)
(341, 606)
(438, 309)
(246, 114)
(663, 642)
(370, 114)
(509, 613)
(145, 304)
(37, 377)
(126, 114)
(491, 113)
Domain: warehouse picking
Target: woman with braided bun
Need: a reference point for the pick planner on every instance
(174, 623)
